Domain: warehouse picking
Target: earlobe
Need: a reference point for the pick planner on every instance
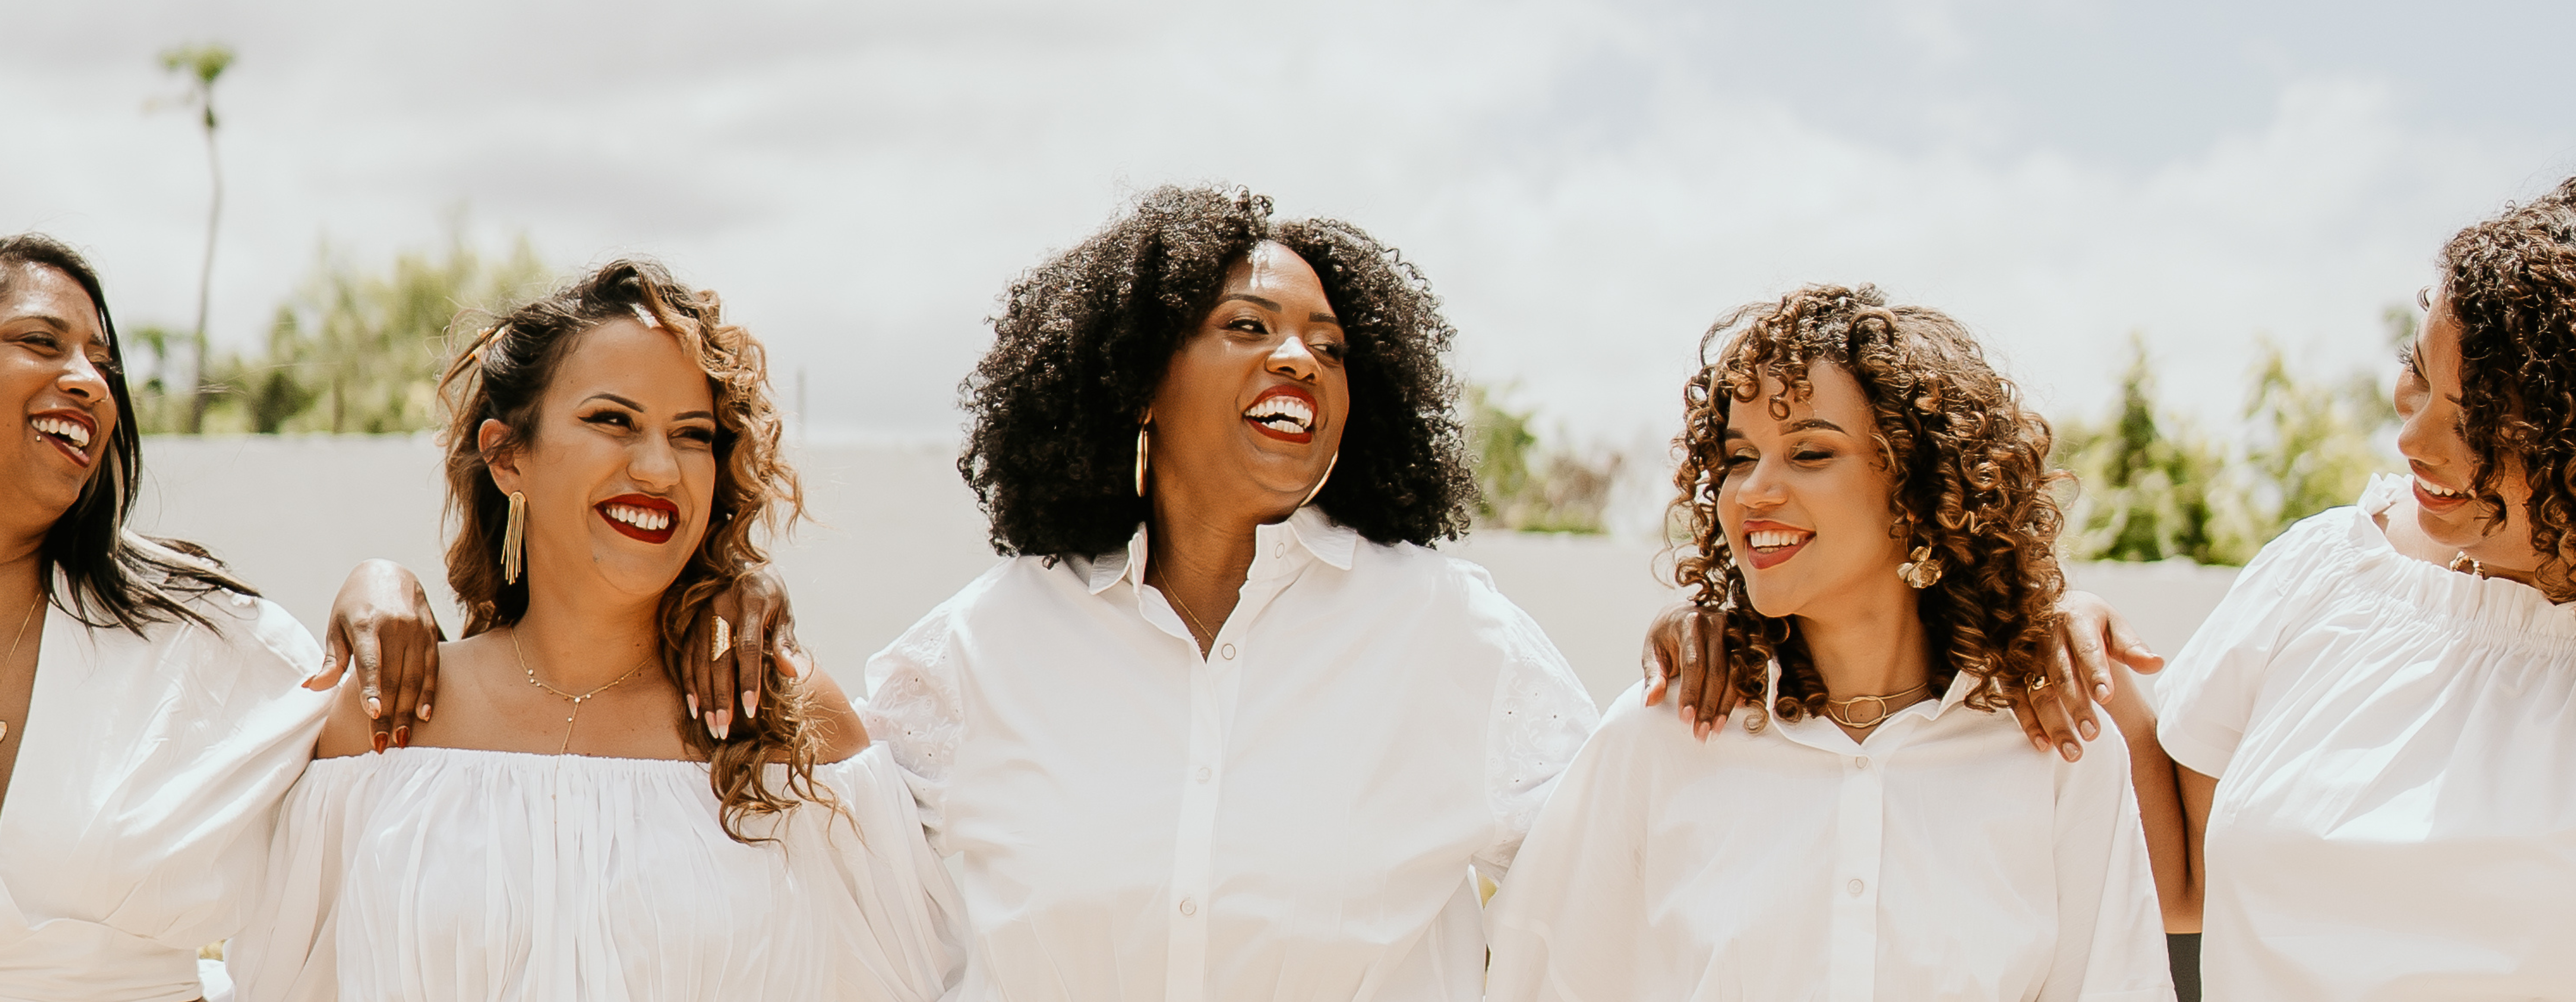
(492, 439)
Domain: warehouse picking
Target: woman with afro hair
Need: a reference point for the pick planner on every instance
(2377, 727)
(1224, 727)
(1869, 513)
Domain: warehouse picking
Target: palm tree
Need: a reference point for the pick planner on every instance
(201, 65)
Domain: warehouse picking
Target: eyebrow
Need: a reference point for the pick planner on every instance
(632, 405)
(1320, 317)
(1811, 423)
(1267, 304)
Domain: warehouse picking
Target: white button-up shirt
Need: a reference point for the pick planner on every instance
(2395, 747)
(1940, 858)
(1291, 816)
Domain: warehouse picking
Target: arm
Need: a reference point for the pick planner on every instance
(2197, 792)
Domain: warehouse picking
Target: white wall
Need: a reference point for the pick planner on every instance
(894, 533)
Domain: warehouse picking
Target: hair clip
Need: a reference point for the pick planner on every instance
(485, 341)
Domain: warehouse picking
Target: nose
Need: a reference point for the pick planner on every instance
(81, 378)
(1758, 490)
(654, 466)
(1293, 360)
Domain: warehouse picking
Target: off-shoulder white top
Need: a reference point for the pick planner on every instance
(2395, 747)
(138, 820)
(452, 874)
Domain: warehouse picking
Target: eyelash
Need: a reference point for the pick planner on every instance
(105, 365)
(1336, 350)
(699, 435)
(1803, 456)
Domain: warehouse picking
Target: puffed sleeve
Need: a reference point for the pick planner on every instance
(915, 932)
(1541, 716)
(288, 951)
(2110, 930)
(1568, 925)
(2207, 693)
(914, 711)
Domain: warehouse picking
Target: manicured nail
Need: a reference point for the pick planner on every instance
(2088, 729)
(1687, 714)
(379, 740)
(724, 725)
(2039, 743)
(710, 718)
(750, 704)
(423, 712)
(402, 737)
(693, 704)
(374, 708)
(2102, 692)
(2072, 750)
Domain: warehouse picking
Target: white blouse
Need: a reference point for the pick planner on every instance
(455, 874)
(1940, 858)
(1292, 817)
(2395, 744)
(138, 820)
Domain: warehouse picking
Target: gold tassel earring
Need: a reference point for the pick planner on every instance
(514, 539)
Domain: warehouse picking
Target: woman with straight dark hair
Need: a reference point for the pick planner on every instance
(150, 717)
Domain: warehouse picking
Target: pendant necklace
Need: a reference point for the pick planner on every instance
(1166, 589)
(577, 700)
(1839, 709)
(30, 617)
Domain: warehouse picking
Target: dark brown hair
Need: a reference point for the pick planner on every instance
(502, 375)
(117, 577)
(1084, 339)
(2511, 281)
(1969, 476)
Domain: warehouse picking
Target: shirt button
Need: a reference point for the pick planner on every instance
(1280, 551)
(1228, 651)
(1860, 761)
(1204, 774)
(1854, 887)
(1189, 907)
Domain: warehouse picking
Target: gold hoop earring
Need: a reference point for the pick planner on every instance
(514, 539)
(1322, 480)
(1922, 571)
(1140, 459)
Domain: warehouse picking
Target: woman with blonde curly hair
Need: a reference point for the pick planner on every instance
(1868, 503)
(565, 828)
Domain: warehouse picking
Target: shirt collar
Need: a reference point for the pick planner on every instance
(1314, 533)
(1962, 685)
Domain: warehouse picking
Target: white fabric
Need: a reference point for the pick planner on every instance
(138, 819)
(1941, 858)
(454, 874)
(2396, 750)
(1293, 817)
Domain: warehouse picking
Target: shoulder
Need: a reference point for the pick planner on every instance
(829, 712)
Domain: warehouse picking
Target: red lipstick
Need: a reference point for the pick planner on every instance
(650, 519)
(1284, 412)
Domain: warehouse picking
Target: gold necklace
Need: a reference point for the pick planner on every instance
(1167, 591)
(21, 638)
(576, 700)
(1837, 708)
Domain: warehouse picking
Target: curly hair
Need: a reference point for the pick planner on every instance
(2511, 281)
(1969, 473)
(1084, 339)
(502, 375)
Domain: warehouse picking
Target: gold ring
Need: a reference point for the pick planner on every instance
(2042, 682)
(724, 638)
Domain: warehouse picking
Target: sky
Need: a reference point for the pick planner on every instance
(1587, 185)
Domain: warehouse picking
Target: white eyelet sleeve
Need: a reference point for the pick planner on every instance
(914, 709)
(1541, 716)
(1570, 926)
(2208, 692)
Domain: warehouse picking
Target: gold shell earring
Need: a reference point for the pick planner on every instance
(1922, 571)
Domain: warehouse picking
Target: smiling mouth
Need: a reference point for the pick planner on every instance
(1283, 414)
(1772, 547)
(649, 519)
(68, 435)
(2429, 495)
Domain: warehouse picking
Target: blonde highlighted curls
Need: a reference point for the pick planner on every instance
(1969, 471)
(502, 374)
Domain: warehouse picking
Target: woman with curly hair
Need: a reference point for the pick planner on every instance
(1225, 728)
(2377, 726)
(1868, 504)
(150, 721)
(565, 828)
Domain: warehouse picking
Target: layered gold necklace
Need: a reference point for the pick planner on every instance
(577, 700)
(1886, 703)
(12, 658)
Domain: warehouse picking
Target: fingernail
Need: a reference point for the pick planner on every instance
(402, 737)
(423, 712)
(710, 718)
(380, 742)
(2071, 750)
(1687, 714)
(693, 704)
(374, 708)
(750, 704)
(2088, 729)
(2039, 743)
(724, 725)
(2102, 692)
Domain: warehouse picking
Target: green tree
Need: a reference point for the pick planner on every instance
(201, 66)
(1527, 486)
(2145, 493)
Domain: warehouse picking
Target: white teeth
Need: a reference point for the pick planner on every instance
(1284, 412)
(69, 431)
(2438, 492)
(647, 519)
(1768, 538)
